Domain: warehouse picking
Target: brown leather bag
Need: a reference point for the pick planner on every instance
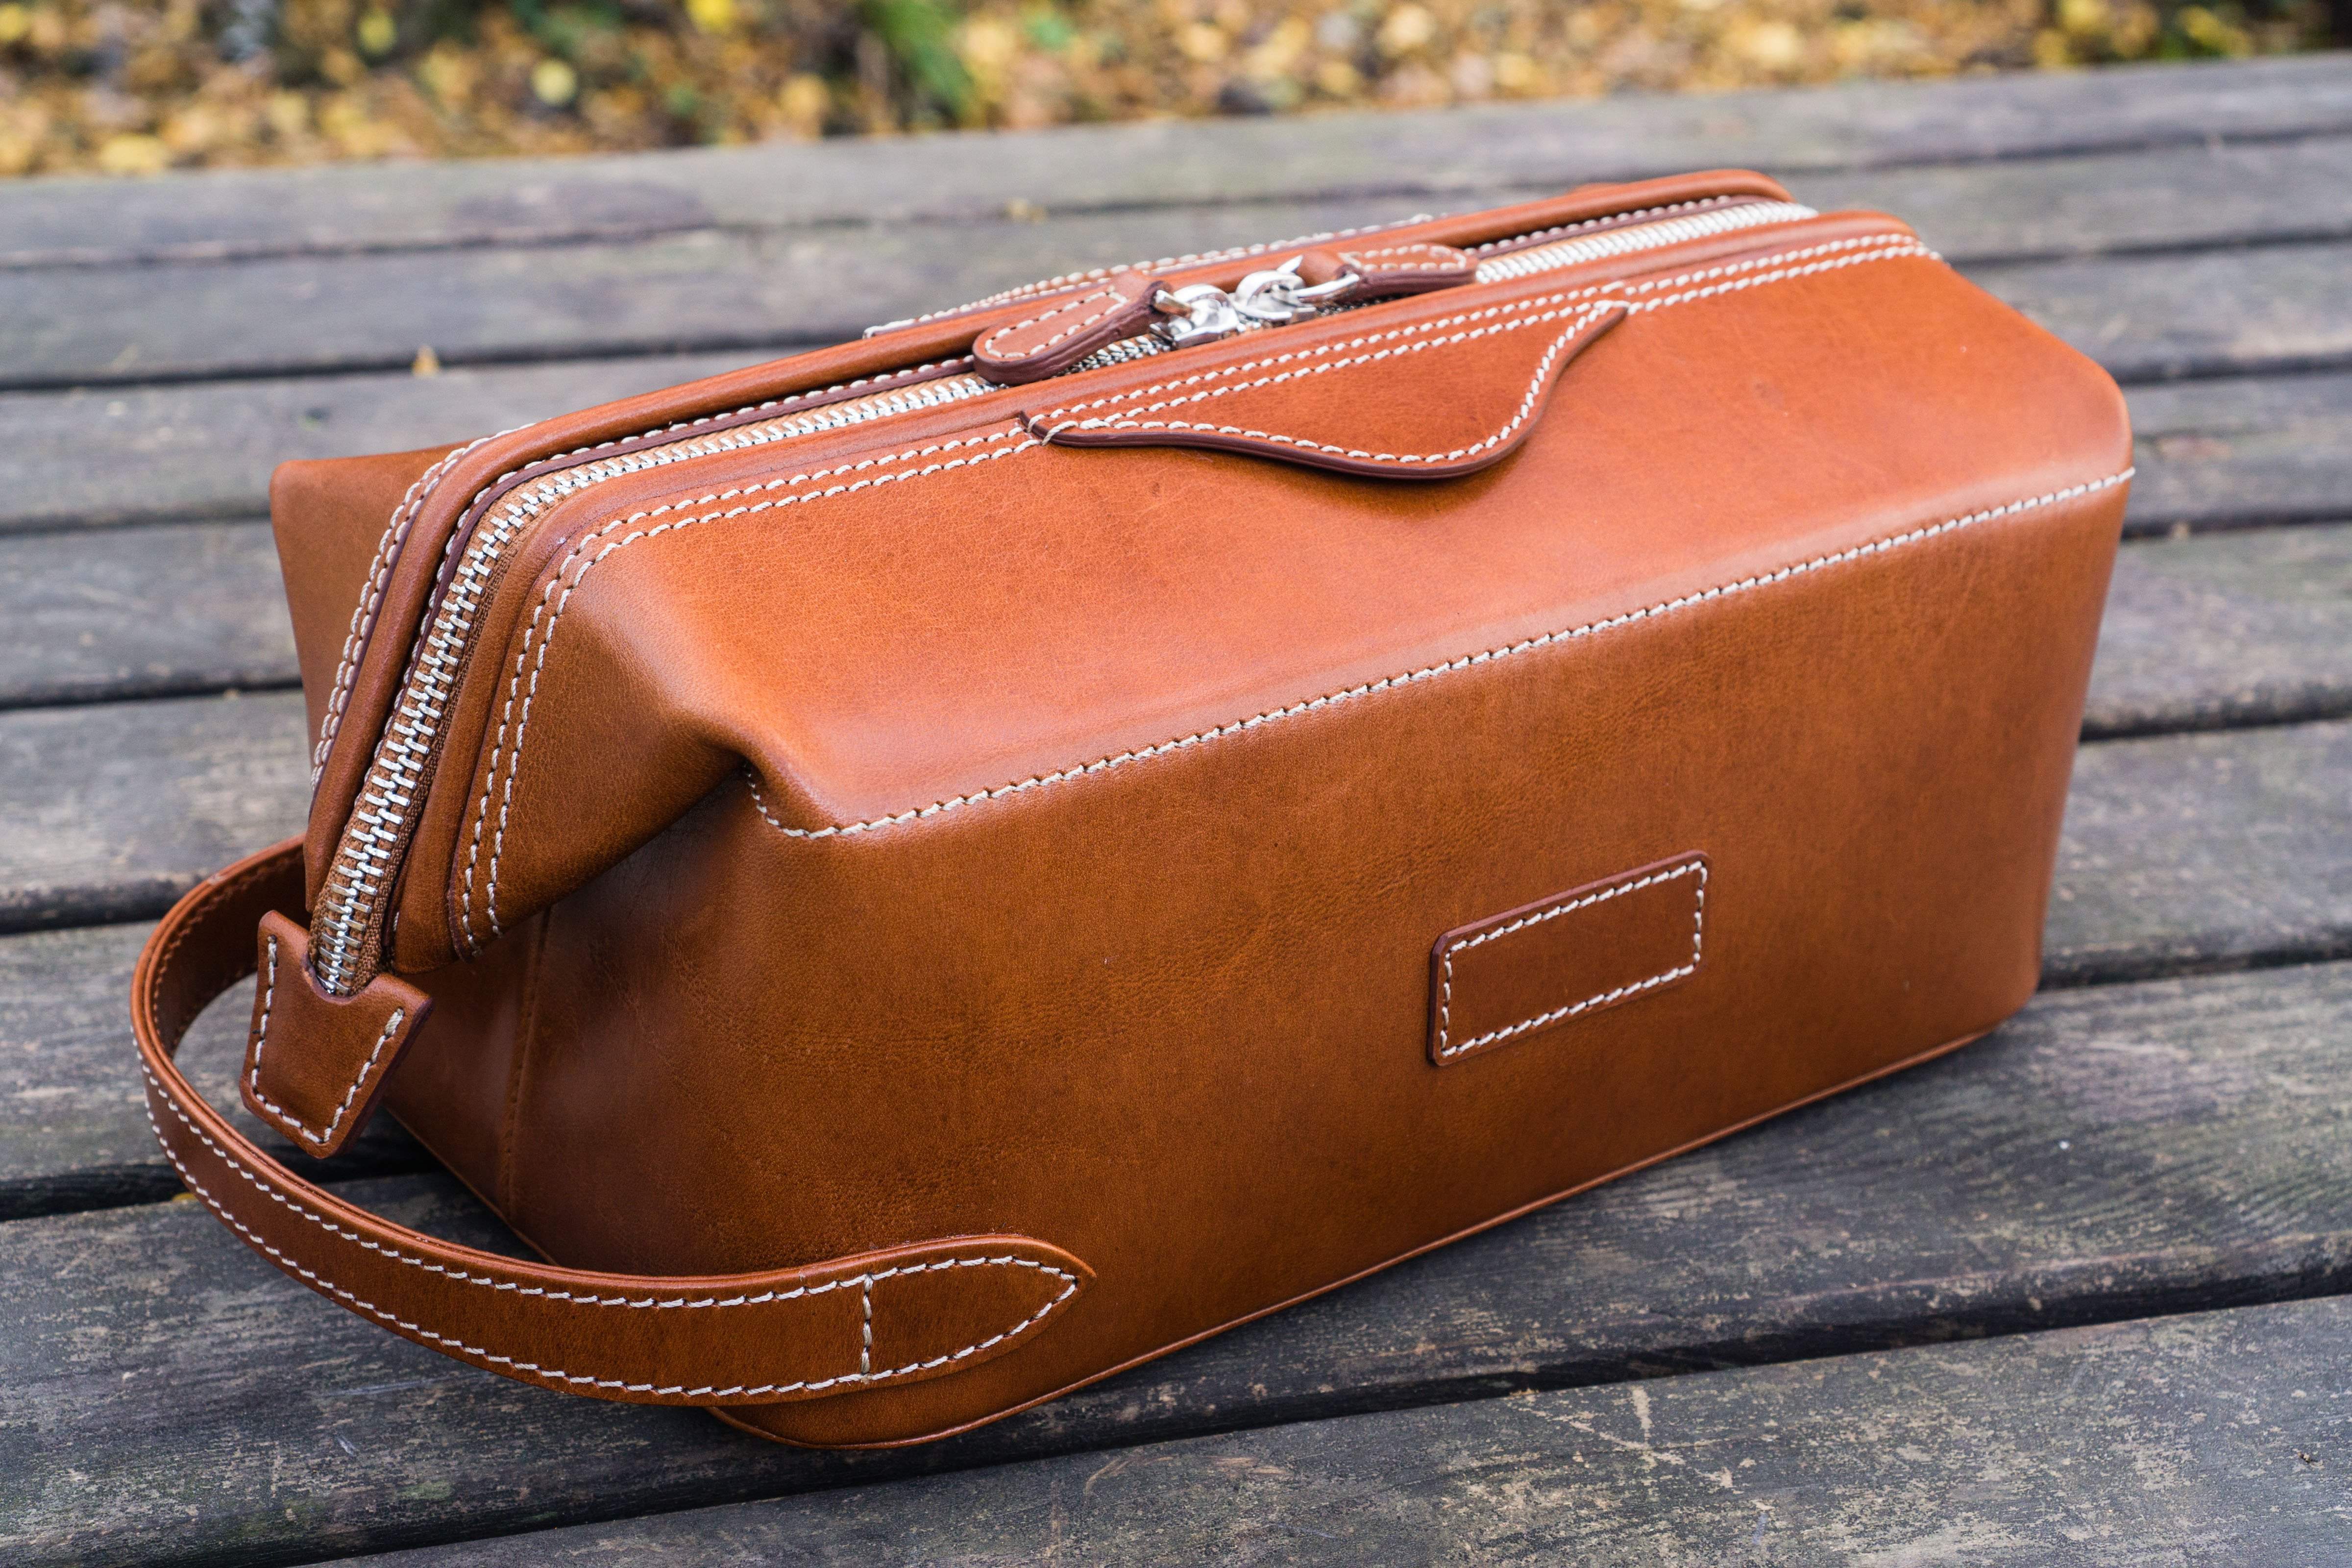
(928, 872)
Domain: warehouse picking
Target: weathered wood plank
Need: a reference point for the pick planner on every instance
(2252, 628)
(203, 451)
(116, 613)
(2145, 315)
(1447, 153)
(2113, 1151)
(2216, 1436)
(72, 1133)
(110, 812)
(2224, 629)
(2197, 850)
(2216, 313)
(2212, 454)
(2157, 870)
(2252, 450)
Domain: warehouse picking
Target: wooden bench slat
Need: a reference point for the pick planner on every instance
(2145, 314)
(73, 1132)
(2114, 1151)
(2220, 629)
(204, 450)
(2225, 629)
(2207, 1437)
(2243, 451)
(112, 810)
(1400, 157)
(141, 612)
(2212, 454)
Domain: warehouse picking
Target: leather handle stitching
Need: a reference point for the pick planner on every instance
(557, 1374)
(1591, 313)
(523, 655)
(1898, 246)
(1445, 993)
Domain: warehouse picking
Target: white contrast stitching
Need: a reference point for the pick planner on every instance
(1613, 220)
(261, 1043)
(986, 346)
(466, 884)
(387, 550)
(1892, 248)
(866, 1281)
(1453, 262)
(1095, 274)
(1590, 313)
(522, 654)
(1466, 661)
(1598, 998)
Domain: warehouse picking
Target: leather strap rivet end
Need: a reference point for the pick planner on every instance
(314, 1062)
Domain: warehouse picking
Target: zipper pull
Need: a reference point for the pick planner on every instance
(1067, 332)
(1382, 272)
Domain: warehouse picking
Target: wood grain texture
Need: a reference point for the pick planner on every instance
(2176, 855)
(2149, 314)
(73, 1132)
(119, 613)
(2214, 1438)
(2239, 452)
(110, 812)
(1458, 153)
(2252, 628)
(2227, 629)
(2214, 454)
(204, 450)
(2113, 1152)
(2193, 850)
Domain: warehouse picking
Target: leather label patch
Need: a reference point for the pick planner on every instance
(1558, 959)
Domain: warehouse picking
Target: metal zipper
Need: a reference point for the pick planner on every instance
(388, 801)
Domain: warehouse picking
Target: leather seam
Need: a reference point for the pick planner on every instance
(489, 782)
(278, 1114)
(1598, 998)
(1590, 313)
(1464, 661)
(556, 1374)
(1895, 245)
(1112, 293)
(522, 654)
(387, 550)
(568, 1296)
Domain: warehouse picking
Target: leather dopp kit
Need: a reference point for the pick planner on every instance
(922, 874)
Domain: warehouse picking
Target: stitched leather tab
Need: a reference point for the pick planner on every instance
(314, 1063)
(1382, 271)
(1057, 337)
(1543, 965)
(1361, 404)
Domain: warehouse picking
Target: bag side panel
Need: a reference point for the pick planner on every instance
(1176, 1020)
(330, 519)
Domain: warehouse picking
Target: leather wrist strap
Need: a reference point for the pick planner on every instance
(891, 1315)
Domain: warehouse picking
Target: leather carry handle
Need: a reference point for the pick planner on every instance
(895, 1315)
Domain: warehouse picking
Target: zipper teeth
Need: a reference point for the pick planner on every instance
(1640, 238)
(354, 885)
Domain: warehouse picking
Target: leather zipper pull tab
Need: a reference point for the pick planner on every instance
(1383, 271)
(1055, 338)
(315, 1062)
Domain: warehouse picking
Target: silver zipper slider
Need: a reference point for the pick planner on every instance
(1203, 312)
